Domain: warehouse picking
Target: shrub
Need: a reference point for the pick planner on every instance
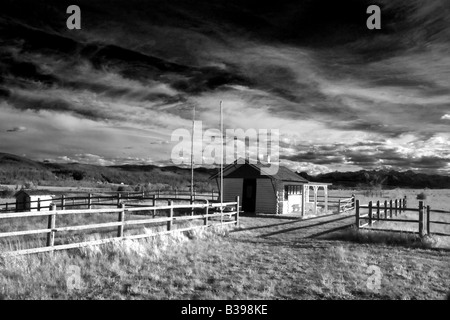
(78, 175)
(124, 188)
(421, 196)
(28, 185)
(6, 193)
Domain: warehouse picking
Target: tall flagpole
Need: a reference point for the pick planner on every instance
(221, 158)
(192, 156)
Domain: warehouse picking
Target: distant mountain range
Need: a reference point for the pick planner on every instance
(381, 178)
(16, 170)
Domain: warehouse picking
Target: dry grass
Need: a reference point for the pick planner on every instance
(217, 264)
(36, 223)
(266, 258)
(403, 239)
(111, 271)
(438, 199)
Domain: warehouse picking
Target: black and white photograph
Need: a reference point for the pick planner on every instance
(240, 152)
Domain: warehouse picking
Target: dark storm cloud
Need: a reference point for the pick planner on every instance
(10, 67)
(57, 105)
(369, 126)
(429, 163)
(370, 156)
(17, 129)
(311, 68)
(322, 158)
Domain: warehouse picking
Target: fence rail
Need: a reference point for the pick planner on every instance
(64, 202)
(211, 211)
(396, 207)
(343, 204)
(346, 204)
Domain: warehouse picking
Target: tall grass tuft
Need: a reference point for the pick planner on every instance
(382, 237)
(106, 270)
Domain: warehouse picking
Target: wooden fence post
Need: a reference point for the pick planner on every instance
(396, 207)
(378, 210)
(405, 204)
(205, 221)
(236, 218)
(390, 208)
(170, 215)
(421, 229)
(353, 201)
(428, 220)
(51, 225)
(357, 214)
(39, 204)
(89, 201)
(339, 206)
(63, 202)
(370, 213)
(119, 196)
(6, 207)
(385, 209)
(121, 219)
(154, 205)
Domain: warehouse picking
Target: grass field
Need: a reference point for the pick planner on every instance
(66, 237)
(436, 199)
(265, 258)
(232, 264)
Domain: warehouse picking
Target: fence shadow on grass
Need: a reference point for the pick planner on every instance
(308, 226)
(303, 243)
(330, 231)
(404, 239)
(292, 220)
(240, 229)
(268, 216)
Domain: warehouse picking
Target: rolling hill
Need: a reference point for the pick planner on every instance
(382, 178)
(16, 170)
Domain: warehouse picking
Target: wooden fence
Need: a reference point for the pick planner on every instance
(64, 202)
(211, 212)
(389, 212)
(346, 204)
(342, 204)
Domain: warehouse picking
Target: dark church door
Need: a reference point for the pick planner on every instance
(249, 195)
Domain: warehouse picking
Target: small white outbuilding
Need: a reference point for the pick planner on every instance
(33, 200)
(284, 192)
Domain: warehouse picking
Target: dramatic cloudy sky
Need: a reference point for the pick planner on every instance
(343, 97)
